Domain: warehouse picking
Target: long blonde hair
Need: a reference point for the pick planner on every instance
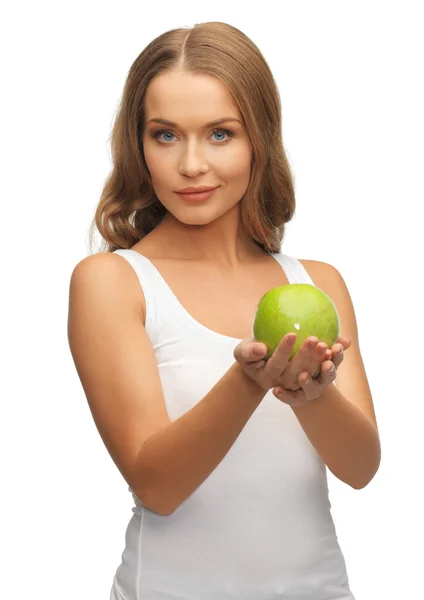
(129, 208)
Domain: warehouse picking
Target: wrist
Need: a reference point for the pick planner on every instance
(248, 386)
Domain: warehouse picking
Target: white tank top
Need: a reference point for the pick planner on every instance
(259, 527)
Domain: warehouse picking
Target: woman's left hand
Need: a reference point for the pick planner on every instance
(331, 357)
(318, 374)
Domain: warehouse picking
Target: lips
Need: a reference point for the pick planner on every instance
(196, 190)
(197, 197)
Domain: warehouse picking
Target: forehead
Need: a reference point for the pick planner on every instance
(180, 97)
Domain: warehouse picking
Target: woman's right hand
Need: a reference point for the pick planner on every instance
(279, 372)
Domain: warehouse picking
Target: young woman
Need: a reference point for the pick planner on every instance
(225, 453)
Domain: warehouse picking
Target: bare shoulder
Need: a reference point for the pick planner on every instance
(327, 277)
(351, 378)
(107, 269)
(102, 263)
(318, 270)
(116, 364)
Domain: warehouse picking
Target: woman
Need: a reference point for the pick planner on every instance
(225, 453)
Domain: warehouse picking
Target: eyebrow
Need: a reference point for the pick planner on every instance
(211, 124)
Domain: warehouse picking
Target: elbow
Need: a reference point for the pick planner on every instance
(361, 484)
(149, 489)
(154, 502)
(161, 509)
(373, 464)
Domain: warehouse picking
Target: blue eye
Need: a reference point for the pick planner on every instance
(225, 131)
(229, 133)
(158, 133)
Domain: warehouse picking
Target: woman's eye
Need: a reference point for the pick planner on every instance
(223, 131)
(159, 133)
(219, 132)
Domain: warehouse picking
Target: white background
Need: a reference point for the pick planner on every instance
(350, 78)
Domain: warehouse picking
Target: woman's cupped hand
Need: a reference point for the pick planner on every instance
(296, 381)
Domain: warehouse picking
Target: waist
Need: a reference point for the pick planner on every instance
(247, 554)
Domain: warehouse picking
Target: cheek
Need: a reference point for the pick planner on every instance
(153, 159)
(159, 168)
(236, 165)
(237, 171)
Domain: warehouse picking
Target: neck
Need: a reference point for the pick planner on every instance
(223, 242)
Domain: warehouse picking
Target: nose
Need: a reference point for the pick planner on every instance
(192, 160)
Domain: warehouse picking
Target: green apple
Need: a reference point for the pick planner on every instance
(299, 308)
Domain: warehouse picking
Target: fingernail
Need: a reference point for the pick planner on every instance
(258, 350)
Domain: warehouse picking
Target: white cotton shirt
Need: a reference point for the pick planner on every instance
(260, 526)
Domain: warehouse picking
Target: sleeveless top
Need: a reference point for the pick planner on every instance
(260, 526)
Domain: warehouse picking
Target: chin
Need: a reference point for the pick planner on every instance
(202, 214)
(196, 218)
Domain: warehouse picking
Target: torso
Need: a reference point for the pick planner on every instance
(224, 302)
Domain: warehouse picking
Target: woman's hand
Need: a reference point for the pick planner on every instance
(321, 371)
(297, 381)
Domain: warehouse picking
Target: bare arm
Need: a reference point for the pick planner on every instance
(163, 462)
(346, 439)
(180, 456)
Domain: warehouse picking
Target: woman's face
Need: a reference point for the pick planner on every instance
(192, 153)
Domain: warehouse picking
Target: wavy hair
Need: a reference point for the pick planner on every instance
(129, 208)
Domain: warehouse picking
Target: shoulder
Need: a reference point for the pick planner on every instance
(102, 266)
(321, 272)
(108, 273)
(329, 279)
